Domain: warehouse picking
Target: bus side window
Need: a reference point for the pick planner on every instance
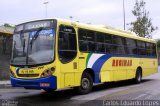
(108, 43)
(86, 40)
(117, 45)
(82, 35)
(131, 48)
(148, 49)
(154, 50)
(67, 48)
(91, 41)
(141, 48)
(100, 48)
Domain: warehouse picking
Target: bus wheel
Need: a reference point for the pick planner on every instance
(138, 77)
(49, 90)
(86, 84)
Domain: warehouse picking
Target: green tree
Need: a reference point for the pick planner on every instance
(8, 25)
(142, 26)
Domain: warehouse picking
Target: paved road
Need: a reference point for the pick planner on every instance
(149, 89)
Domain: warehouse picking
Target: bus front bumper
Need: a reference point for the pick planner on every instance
(40, 83)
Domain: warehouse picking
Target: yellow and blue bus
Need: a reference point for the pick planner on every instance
(53, 54)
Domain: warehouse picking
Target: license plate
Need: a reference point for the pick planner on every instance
(26, 72)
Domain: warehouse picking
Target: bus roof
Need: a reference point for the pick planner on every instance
(105, 29)
(99, 28)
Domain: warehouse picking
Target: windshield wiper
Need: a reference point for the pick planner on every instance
(23, 41)
(35, 36)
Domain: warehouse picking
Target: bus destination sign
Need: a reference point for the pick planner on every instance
(38, 24)
(34, 25)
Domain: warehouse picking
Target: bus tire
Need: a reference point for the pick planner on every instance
(49, 90)
(86, 84)
(138, 77)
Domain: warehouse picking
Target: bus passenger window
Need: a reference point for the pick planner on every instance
(131, 48)
(91, 41)
(141, 48)
(100, 48)
(154, 50)
(83, 45)
(82, 35)
(99, 37)
(86, 40)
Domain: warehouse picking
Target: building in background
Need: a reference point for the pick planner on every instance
(5, 51)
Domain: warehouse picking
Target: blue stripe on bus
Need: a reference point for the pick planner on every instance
(99, 63)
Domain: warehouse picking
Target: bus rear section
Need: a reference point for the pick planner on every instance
(115, 57)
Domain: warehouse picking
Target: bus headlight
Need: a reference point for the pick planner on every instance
(48, 72)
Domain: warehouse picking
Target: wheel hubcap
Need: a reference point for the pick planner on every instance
(139, 77)
(85, 83)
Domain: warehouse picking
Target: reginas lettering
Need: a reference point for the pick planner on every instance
(121, 62)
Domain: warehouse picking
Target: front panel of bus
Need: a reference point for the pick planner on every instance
(33, 55)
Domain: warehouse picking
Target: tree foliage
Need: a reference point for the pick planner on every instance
(8, 25)
(142, 26)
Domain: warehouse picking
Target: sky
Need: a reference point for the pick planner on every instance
(101, 12)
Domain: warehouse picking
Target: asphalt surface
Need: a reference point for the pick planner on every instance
(104, 94)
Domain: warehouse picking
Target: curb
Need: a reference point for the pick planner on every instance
(5, 84)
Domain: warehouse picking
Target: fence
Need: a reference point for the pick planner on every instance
(5, 54)
(5, 51)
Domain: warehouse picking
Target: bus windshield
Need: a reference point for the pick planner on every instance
(33, 47)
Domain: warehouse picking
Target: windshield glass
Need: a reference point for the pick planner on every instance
(19, 53)
(31, 50)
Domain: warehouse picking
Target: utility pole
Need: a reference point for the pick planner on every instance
(46, 3)
(124, 17)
